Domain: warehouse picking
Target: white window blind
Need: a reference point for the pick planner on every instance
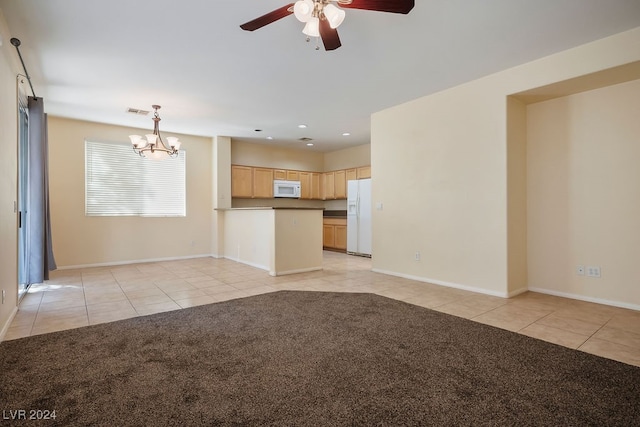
(119, 182)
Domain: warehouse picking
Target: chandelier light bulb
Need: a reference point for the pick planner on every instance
(173, 142)
(303, 10)
(137, 141)
(152, 138)
(334, 15)
(312, 27)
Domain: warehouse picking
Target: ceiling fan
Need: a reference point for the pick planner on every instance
(322, 17)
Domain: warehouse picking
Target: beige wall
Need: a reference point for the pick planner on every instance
(281, 241)
(80, 240)
(441, 168)
(516, 196)
(244, 153)
(8, 181)
(249, 237)
(348, 158)
(584, 193)
(298, 241)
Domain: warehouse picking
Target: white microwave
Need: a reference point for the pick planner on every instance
(290, 189)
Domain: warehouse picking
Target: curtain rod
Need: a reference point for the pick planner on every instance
(16, 42)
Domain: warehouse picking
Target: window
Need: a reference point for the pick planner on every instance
(118, 182)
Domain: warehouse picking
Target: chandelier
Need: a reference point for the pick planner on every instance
(311, 11)
(153, 147)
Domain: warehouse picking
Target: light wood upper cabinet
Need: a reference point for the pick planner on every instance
(340, 184)
(316, 186)
(280, 174)
(262, 183)
(256, 182)
(329, 186)
(364, 172)
(241, 181)
(305, 185)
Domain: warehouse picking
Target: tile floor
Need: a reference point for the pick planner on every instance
(74, 298)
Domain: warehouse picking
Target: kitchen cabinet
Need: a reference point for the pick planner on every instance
(316, 186)
(262, 183)
(341, 237)
(257, 182)
(329, 186)
(280, 174)
(328, 236)
(340, 184)
(241, 181)
(363, 172)
(334, 234)
(305, 185)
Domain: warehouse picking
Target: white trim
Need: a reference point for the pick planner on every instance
(139, 261)
(587, 298)
(301, 270)
(251, 264)
(517, 292)
(6, 326)
(450, 284)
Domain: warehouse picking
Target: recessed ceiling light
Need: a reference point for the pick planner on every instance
(310, 144)
(346, 134)
(269, 137)
(302, 126)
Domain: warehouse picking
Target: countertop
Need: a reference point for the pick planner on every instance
(263, 208)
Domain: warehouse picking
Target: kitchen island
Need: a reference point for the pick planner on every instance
(279, 240)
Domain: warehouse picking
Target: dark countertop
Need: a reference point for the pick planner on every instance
(334, 214)
(262, 208)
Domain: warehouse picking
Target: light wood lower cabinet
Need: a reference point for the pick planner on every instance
(334, 234)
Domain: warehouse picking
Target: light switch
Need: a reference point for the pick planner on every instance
(379, 206)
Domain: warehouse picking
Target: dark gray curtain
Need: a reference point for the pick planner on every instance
(40, 255)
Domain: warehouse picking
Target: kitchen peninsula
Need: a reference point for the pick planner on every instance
(279, 240)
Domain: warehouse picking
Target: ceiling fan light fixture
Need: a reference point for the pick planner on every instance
(303, 10)
(334, 15)
(312, 27)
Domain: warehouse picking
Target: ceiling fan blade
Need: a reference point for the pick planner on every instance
(393, 6)
(268, 18)
(329, 35)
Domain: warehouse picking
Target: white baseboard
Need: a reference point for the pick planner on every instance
(451, 284)
(251, 264)
(138, 261)
(586, 298)
(7, 324)
(301, 270)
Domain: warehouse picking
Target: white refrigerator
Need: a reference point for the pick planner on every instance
(359, 208)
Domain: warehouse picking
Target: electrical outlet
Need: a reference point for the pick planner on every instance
(3, 295)
(417, 256)
(580, 270)
(593, 271)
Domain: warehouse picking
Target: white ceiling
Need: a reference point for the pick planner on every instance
(92, 60)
